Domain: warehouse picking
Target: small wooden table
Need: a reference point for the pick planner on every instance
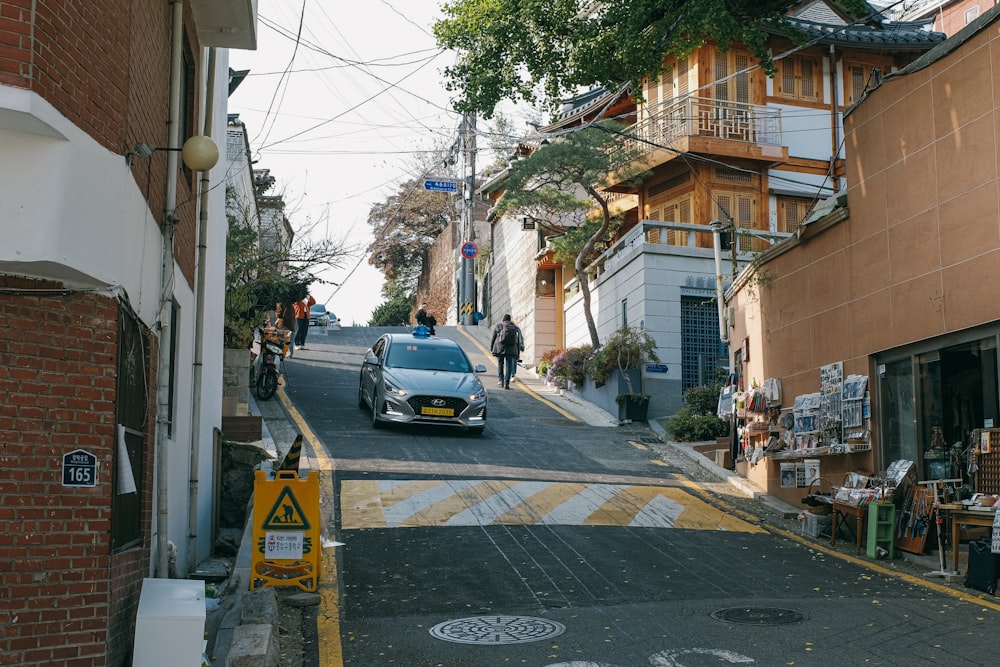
(860, 513)
(959, 515)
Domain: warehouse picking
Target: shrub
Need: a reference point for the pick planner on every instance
(697, 421)
(571, 364)
(545, 362)
(625, 349)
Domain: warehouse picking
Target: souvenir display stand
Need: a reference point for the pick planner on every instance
(785, 448)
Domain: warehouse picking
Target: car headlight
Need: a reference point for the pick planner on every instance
(393, 388)
(479, 394)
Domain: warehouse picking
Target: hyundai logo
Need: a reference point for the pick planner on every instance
(437, 402)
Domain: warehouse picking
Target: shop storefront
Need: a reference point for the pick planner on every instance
(932, 395)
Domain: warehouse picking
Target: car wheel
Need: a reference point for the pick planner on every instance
(376, 423)
(362, 405)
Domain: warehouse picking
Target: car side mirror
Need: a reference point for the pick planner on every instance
(373, 361)
(480, 368)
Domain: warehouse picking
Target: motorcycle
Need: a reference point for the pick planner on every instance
(271, 349)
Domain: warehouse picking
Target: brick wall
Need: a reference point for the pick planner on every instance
(436, 285)
(105, 65)
(64, 597)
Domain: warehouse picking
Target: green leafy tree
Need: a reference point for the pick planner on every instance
(258, 277)
(404, 227)
(564, 181)
(541, 52)
(392, 313)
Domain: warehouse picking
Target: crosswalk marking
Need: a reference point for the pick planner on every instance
(421, 503)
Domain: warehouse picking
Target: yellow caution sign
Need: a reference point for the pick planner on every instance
(286, 532)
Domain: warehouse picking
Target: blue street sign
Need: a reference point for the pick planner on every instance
(656, 368)
(441, 186)
(469, 250)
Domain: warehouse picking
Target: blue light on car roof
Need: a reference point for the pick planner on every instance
(421, 331)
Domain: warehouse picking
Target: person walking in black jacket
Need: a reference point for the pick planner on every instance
(506, 346)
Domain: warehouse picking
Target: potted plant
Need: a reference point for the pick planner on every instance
(625, 352)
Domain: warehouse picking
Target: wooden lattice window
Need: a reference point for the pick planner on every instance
(740, 208)
(800, 78)
(676, 210)
(791, 213)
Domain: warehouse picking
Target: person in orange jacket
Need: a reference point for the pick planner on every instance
(302, 321)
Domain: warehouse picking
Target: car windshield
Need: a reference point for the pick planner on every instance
(318, 309)
(418, 356)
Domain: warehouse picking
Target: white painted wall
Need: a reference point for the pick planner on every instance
(71, 210)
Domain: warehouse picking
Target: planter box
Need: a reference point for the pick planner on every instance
(633, 410)
(605, 396)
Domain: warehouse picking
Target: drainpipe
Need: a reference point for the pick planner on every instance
(167, 288)
(716, 226)
(199, 327)
(833, 121)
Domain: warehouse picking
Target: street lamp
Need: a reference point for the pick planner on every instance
(200, 153)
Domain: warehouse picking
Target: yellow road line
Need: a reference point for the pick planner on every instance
(331, 651)
(528, 390)
(638, 445)
(830, 551)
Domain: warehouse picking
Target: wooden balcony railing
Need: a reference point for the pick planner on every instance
(698, 116)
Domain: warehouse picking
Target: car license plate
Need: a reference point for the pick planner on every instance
(439, 412)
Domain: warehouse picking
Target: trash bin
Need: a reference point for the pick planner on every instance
(170, 624)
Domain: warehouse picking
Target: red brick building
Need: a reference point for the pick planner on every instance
(94, 421)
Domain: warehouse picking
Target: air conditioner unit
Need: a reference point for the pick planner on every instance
(527, 224)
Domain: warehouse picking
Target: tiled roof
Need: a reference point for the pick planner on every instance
(898, 36)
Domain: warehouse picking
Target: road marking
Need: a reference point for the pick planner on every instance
(331, 651)
(423, 503)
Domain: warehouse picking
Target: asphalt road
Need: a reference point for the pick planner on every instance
(552, 541)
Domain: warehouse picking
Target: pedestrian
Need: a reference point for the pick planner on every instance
(506, 346)
(302, 321)
(425, 319)
(284, 321)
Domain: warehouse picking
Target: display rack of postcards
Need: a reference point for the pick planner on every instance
(831, 388)
(856, 408)
(806, 414)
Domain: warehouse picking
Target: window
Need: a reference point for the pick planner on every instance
(791, 212)
(799, 78)
(676, 210)
(702, 351)
(858, 79)
(971, 14)
(624, 312)
(732, 76)
(740, 209)
(130, 414)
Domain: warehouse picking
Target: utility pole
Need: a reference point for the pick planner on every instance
(467, 280)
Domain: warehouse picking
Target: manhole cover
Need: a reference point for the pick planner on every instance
(759, 616)
(497, 630)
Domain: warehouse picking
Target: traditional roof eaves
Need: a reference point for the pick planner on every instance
(938, 52)
(911, 35)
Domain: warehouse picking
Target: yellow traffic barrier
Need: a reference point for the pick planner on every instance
(286, 533)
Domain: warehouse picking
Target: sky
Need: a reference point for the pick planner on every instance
(339, 117)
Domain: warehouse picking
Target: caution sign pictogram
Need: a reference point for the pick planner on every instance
(286, 514)
(286, 530)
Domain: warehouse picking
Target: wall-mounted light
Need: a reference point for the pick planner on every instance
(199, 152)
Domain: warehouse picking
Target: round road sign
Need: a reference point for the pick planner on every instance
(469, 250)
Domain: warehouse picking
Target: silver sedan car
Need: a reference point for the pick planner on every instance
(415, 378)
